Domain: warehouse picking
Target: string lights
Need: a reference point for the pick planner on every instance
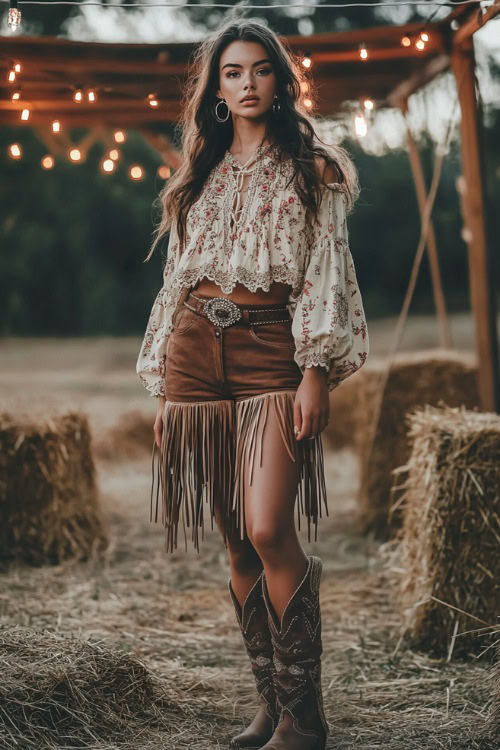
(47, 161)
(82, 94)
(14, 17)
(15, 151)
(108, 165)
(363, 117)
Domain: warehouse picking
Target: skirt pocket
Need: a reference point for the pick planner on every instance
(183, 320)
(274, 334)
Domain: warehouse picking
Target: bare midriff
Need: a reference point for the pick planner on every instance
(278, 293)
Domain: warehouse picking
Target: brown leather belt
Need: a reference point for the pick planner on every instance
(224, 312)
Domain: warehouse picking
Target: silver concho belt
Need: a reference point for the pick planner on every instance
(221, 311)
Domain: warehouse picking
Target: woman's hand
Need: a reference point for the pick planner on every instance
(311, 412)
(158, 425)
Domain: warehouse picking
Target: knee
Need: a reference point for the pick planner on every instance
(268, 540)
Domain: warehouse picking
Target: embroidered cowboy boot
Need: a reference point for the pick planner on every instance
(297, 660)
(253, 622)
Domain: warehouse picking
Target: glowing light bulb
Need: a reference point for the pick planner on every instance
(119, 136)
(153, 102)
(25, 114)
(14, 17)
(308, 103)
(368, 104)
(424, 36)
(360, 125)
(108, 165)
(306, 62)
(78, 95)
(16, 95)
(75, 154)
(363, 52)
(163, 172)
(56, 126)
(17, 67)
(420, 44)
(136, 172)
(12, 76)
(114, 154)
(91, 95)
(48, 161)
(405, 41)
(15, 151)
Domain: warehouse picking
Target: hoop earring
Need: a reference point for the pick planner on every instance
(223, 119)
(275, 111)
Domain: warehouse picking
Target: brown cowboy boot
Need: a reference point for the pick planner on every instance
(297, 660)
(253, 622)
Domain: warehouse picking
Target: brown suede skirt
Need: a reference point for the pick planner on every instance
(220, 383)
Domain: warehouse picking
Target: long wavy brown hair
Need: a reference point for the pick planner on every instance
(204, 140)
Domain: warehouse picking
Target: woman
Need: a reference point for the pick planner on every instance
(259, 317)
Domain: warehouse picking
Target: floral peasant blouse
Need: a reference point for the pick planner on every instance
(271, 241)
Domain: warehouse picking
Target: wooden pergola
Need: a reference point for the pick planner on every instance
(125, 75)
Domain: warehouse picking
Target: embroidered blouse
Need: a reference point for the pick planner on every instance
(267, 239)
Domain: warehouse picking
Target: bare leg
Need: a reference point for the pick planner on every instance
(244, 562)
(290, 586)
(269, 510)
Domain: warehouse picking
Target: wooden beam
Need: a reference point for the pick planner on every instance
(67, 105)
(401, 93)
(480, 265)
(437, 285)
(475, 22)
(377, 53)
(32, 63)
(119, 118)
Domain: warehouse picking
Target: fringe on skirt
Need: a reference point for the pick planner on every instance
(202, 460)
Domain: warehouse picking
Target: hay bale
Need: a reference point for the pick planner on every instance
(48, 495)
(341, 429)
(131, 437)
(64, 692)
(493, 720)
(450, 539)
(424, 377)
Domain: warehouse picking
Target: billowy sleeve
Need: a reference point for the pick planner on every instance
(329, 325)
(151, 361)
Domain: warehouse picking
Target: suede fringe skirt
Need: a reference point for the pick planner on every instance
(220, 385)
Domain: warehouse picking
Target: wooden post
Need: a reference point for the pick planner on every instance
(480, 265)
(437, 286)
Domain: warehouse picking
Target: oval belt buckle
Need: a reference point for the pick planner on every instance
(221, 311)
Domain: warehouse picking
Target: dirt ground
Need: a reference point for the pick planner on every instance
(174, 611)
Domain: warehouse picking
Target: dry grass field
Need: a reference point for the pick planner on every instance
(173, 612)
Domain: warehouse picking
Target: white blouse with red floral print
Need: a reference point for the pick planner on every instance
(273, 240)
